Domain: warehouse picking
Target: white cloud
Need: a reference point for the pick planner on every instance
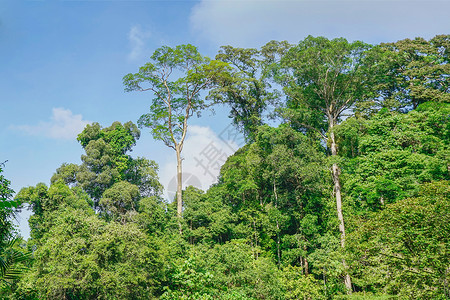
(248, 23)
(204, 153)
(137, 39)
(63, 124)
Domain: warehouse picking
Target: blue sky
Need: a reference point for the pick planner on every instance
(62, 63)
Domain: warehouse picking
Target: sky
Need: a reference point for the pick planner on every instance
(62, 64)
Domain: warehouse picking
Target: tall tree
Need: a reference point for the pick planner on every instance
(323, 79)
(175, 100)
(407, 73)
(245, 90)
(107, 162)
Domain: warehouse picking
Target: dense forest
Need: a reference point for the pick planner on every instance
(347, 197)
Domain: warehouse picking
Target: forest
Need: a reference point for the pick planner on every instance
(341, 190)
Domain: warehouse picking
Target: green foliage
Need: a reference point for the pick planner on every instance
(13, 262)
(223, 272)
(7, 209)
(207, 219)
(175, 100)
(120, 201)
(5, 194)
(321, 78)
(276, 191)
(107, 163)
(268, 228)
(407, 73)
(45, 202)
(120, 137)
(83, 257)
(189, 283)
(299, 286)
(395, 153)
(13, 258)
(326, 261)
(153, 216)
(144, 174)
(404, 249)
(5, 190)
(108, 260)
(107, 147)
(244, 88)
(237, 266)
(7, 206)
(367, 296)
(67, 173)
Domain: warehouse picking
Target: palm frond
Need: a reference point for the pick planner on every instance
(12, 262)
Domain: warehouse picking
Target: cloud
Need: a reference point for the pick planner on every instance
(137, 38)
(204, 153)
(63, 124)
(250, 23)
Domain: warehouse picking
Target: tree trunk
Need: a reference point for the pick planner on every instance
(278, 225)
(337, 190)
(306, 264)
(256, 237)
(179, 187)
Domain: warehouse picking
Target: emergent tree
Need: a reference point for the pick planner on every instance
(175, 100)
(322, 79)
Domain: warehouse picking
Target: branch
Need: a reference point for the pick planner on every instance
(409, 269)
(160, 97)
(315, 129)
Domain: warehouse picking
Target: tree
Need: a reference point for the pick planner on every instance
(407, 73)
(7, 205)
(175, 100)
(292, 174)
(153, 215)
(404, 249)
(46, 201)
(84, 257)
(207, 218)
(120, 202)
(224, 271)
(323, 79)
(276, 189)
(245, 89)
(79, 255)
(391, 154)
(14, 259)
(11, 256)
(107, 162)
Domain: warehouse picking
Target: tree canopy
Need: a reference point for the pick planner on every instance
(175, 100)
(362, 135)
